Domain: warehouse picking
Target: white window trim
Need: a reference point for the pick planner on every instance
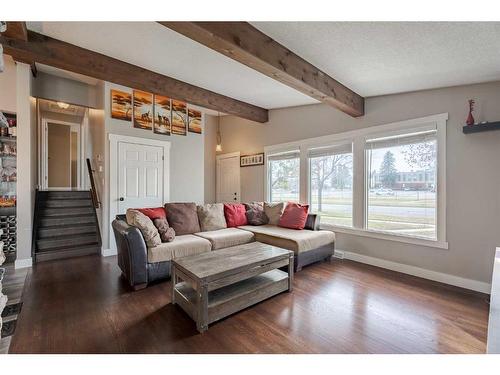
(358, 138)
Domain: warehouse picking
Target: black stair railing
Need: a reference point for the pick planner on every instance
(93, 191)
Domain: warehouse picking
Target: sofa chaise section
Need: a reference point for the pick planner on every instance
(309, 246)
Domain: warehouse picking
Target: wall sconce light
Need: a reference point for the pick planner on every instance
(218, 148)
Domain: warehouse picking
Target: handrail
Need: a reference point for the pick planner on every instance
(93, 191)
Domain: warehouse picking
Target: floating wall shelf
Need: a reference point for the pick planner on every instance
(467, 129)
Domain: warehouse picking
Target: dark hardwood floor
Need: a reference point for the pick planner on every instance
(82, 305)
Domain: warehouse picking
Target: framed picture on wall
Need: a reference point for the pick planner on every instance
(162, 115)
(179, 117)
(251, 160)
(143, 110)
(121, 105)
(194, 118)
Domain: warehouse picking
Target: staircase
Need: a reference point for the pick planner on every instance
(65, 225)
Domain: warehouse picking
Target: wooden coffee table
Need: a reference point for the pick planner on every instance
(211, 286)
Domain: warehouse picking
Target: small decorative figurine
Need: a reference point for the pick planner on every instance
(470, 118)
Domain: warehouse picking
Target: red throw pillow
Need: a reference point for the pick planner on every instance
(153, 213)
(294, 216)
(235, 214)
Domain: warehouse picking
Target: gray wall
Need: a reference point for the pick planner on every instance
(473, 175)
(187, 156)
(51, 87)
(210, 143)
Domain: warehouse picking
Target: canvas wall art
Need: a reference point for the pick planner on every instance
(179, 117)
(194, 118)
(143, 110)
(162, 115)
(121, 105)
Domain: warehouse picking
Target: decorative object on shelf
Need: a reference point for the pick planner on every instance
(162, 115)
(251, 160)
(3, 298)
(121, 105)
(470, 118)
(2, 254)
(179, 117)
(218, 148)
(194, 118)
(143, 110)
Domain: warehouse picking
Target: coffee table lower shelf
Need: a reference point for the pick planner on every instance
(232, 298)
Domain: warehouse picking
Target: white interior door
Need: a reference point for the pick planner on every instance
(228, 178)
(140, 176)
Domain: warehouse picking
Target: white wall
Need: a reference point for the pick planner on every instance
(473, 175)
(8, 86)
(26, 163)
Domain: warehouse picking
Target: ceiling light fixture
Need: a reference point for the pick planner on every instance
(62, 105)
(218, 148)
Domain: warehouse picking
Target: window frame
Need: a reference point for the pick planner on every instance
(360, 199)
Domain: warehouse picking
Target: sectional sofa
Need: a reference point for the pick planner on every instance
(141, 264)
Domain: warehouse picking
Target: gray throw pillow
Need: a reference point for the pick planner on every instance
(274, 211)
(255, 213)
(167, 233)
(211, 217)
(183, 218)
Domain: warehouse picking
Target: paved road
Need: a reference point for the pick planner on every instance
(420, 212)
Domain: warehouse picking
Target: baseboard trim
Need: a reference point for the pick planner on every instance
(108, 252)
(445, 278)
(23, 263)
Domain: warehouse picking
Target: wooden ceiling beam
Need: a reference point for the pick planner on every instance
(16, 30)
(244, 43)
(49, 51)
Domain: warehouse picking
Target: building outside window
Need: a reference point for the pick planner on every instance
(401, 188)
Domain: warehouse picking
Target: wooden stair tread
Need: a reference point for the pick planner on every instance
(66, 226)
(67, 253)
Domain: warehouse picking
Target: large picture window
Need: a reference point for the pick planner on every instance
(401, 184)
(330, 184)
(386, 181)
(284, 177)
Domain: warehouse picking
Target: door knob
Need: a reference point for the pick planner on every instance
(122, 199)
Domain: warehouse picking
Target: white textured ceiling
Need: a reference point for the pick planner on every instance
(379, 58)
(157, 48)
(371, 58)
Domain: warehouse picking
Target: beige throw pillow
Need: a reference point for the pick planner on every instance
(211, 217)
(145, 225)
(273, 211)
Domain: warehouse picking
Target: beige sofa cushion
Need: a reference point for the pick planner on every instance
(145, 225)
(228, 237)
(273, 211)
(298, 241)
(182, 246)
(211, 217)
